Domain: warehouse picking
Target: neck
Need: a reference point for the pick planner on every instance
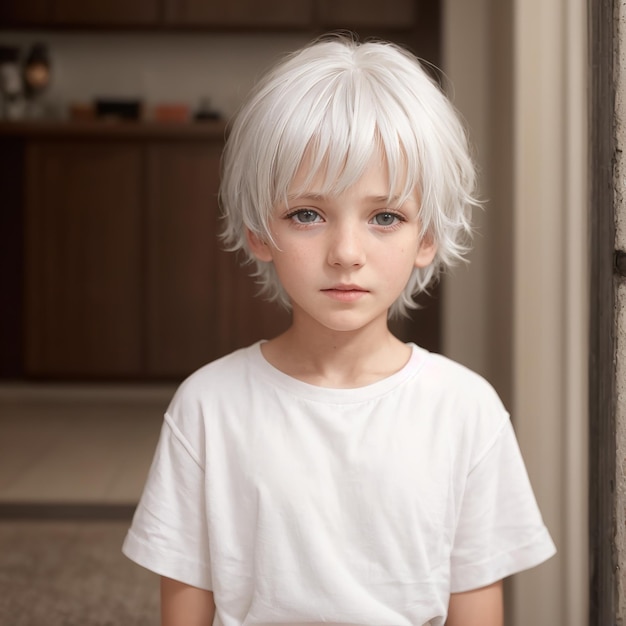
(340, 359)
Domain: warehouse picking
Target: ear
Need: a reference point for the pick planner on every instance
(258, 247)
(426, 252)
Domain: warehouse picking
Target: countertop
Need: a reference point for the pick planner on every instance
(214, 129)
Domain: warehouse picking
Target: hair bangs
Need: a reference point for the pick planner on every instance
(351, 130)
(335, 144)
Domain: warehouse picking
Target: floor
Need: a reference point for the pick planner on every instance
(73, 461)
(77, 444)
(68, 573)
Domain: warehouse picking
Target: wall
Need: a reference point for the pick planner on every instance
(157, 67)
(551, 294)
(518, 313)
(478, 297)
(620, 312)
(465, 60)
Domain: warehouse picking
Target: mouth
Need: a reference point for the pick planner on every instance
(345, 293)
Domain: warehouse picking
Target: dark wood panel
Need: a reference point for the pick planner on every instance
(604, 574)
(201, 304)
(181, 243)
(427, 36)
(108, 129)
(366, 13)
(245, 317)
(25, 12)
(11, 257)
(111, 12)
(370, 15)
(83, 259)
(423, 327)
(240, 13)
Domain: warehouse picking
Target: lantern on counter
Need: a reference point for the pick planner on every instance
(36, 73)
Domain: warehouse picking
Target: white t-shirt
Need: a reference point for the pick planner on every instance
(299, 504)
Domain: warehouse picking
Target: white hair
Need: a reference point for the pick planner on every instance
(339, 102)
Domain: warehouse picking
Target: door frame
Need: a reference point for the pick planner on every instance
(602, 341)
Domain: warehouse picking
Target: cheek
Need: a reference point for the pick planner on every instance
(288, 251)
(400, 259)
(293, 263)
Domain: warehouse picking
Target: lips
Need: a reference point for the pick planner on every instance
(345, 293)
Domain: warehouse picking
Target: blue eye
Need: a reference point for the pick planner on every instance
(385, 219)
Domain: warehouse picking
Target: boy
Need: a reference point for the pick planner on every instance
(334, 474)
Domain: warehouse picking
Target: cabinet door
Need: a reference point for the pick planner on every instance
(200, 303)
(366, 13)
(11, 256)
(109, 13)
(244, 316)
(181, 243)
(24, 12)
(83, 260)
(240, 13)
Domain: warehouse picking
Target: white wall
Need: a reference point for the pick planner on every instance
(551, 291)
(548, 209)
(465, 61)
(157, 67)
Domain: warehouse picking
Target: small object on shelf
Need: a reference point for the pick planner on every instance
(118, 109)
(37, 70)
(205, 112)
(171, 112)
(37, 76)
(11, 86)
(82, 112)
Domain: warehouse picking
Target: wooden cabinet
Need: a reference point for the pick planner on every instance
(79, 13)
(11, 256)
(212, 14)
(366, 13)
(240, 13)
(299, 15)
(200, 303)
(124, 274)
(181, 257)
(109, 13)
(25, 13)
(121, 275)
(83, 283)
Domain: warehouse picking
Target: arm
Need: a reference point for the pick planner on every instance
(183, 605)
(479, 607)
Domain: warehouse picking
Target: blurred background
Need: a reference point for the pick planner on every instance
(113, 286)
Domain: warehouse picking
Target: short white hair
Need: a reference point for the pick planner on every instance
(339, 102)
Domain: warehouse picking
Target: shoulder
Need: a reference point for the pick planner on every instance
(463, 404)
(225, 371)
(211, 386)
(458, 383)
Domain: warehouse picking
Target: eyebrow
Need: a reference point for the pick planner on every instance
(317, 197)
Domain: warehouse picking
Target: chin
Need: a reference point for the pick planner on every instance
(347, 323)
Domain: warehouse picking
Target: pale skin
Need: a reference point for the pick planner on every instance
(343, 261)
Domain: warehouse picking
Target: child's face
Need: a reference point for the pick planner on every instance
(344, 260)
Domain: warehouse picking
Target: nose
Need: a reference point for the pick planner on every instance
(346, 247)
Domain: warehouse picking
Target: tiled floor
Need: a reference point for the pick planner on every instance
(77, 444)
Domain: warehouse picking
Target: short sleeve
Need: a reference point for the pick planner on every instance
(169, 533)
(500, 530)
